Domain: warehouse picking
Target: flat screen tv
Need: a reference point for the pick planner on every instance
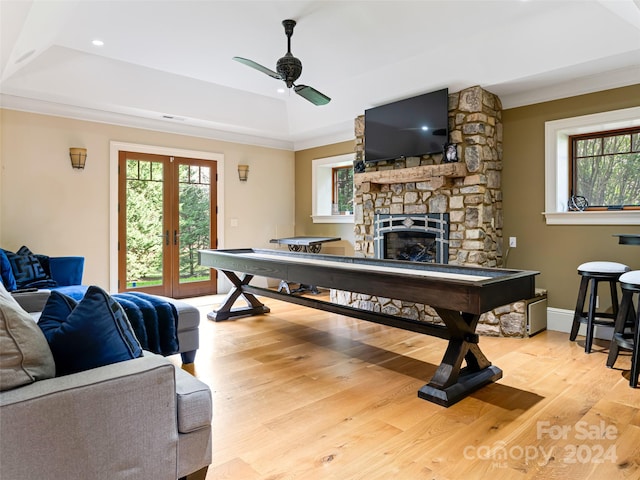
(407, 128)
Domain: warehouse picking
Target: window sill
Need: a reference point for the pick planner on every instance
(332, 218)
(609, 217)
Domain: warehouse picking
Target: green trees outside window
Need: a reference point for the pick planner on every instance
(342, 190)
(145, 235)
(146, 232)
(606, 168)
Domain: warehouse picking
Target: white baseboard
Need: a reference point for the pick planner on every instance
(560, 320)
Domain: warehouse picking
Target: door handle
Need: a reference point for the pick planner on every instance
(166, 237)
(175, 237)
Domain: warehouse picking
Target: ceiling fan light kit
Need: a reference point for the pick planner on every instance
(289, 69)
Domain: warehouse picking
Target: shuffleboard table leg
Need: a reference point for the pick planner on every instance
(226, 311)
(451, 382)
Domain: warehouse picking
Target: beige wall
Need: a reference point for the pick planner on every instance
(554, 250)
(56, 210)
(304, 222)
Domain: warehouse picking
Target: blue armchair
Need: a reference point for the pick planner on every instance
(66, 271)
(27, 270)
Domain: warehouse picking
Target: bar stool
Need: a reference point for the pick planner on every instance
(596, 272)
(624, 337)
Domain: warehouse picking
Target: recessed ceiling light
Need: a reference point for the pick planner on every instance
(98, 43)
(281, 90)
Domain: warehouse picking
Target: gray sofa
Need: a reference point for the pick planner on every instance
(138, 419)
(141, 418)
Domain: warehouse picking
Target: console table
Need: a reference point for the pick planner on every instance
(302, 244)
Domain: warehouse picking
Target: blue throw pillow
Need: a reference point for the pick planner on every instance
(87, 334)
(28, 270)
(58, 307)
(6, 274)
(42, 259)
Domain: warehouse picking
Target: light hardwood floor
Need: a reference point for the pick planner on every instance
(305, 394)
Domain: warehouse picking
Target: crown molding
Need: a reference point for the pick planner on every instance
(178, 127)
(578, 86)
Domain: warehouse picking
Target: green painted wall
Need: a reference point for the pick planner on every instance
(554, 250)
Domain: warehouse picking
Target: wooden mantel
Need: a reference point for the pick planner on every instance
(422, 173)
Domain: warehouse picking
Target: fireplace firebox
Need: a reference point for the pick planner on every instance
(415, 238)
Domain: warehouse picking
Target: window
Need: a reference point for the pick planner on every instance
(342, 198)
(332, 197)
(605, 168)
(558, 171)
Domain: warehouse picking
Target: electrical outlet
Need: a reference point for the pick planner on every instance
(513, 243)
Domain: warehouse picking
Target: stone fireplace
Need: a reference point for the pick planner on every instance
(468, 193)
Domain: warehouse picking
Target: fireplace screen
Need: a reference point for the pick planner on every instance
(415, 238)
(410, 246)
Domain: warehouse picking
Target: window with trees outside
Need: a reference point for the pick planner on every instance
(342, 199)
(605, 168)
(332, 189)
(602, 167)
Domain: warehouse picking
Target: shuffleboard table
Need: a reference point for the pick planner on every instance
(458, 294)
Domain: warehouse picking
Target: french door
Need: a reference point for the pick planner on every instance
(166, 213)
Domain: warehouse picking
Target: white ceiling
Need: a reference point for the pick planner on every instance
(174, 58)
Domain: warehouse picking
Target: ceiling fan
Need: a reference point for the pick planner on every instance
(289, 69)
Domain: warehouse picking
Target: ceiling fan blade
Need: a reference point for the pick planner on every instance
(258, 67)
(311, 94)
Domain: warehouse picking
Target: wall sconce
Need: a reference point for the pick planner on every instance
(243, 172)
(78, 157)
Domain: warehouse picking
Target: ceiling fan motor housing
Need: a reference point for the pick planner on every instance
(289, 68)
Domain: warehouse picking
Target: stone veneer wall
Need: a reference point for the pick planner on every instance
(474, 204)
